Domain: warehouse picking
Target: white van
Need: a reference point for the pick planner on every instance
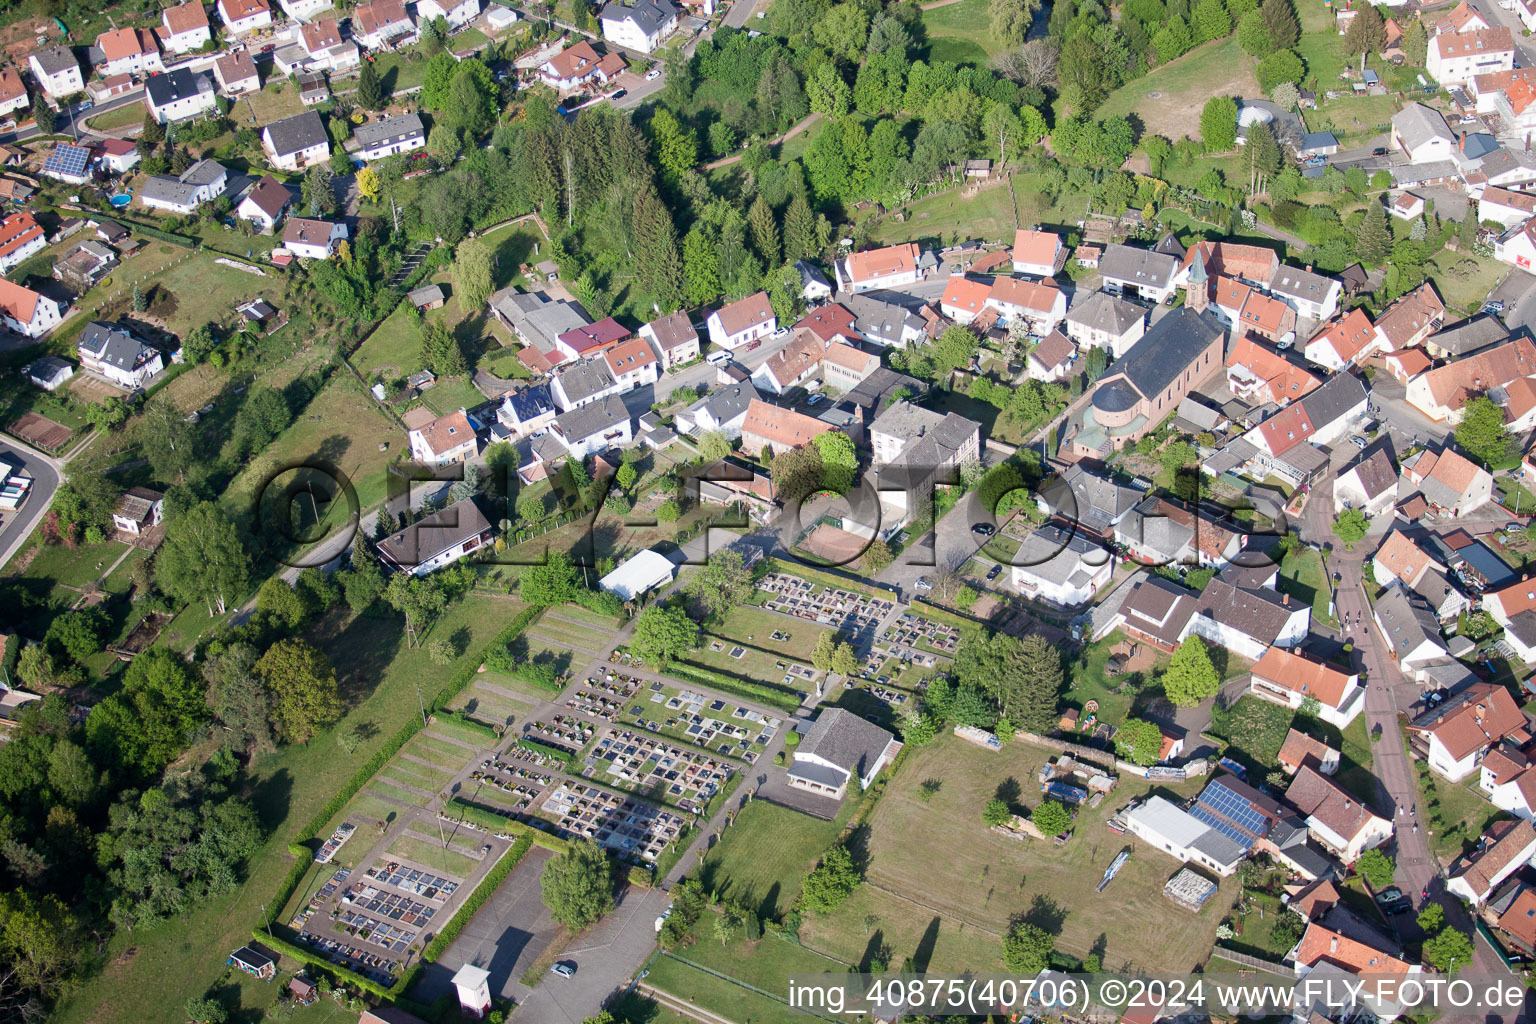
(718, 358)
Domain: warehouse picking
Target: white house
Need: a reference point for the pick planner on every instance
(1041, 304)
(186, 27)
(20, 237)
(1249, 620)
(1138, 273)
(49, 373)
(1343, 342)
(1292, 679)
(13, 92)
(673, 338)
(1455, 57)
(1369, 484)
(580, 67)
(891, 267)
(445, 440)
(582, 384)
(138, 509)
(964, 299)
(841, 748)
(27, 312)
(440, 539)
(242, 16)
(1456, 735)
(457, 14)
(1406, 206)
(722, 411)
(180, 94)
(527, 410)
(1166, 826)
(814, 286)
(1052, 359)
(632, 364)
(1505, 847)
(640, 24)
(326, 48)
(390, 136)
(1505, 207)
(296, 142)
(313, 239)
(1409, 626)
(1312, 296)
(1452, 484)
(378, 24)
(56, 71)
(265, 204)
(128, 51)
(1038, 253)
(303, 10)
(1422, 134)
(639, 574)
(1061, 568)
(742, 321)
(118, 356)
(594, 427)
(1102, 320)
(201, 183)
(236, 73)
(1336, 818)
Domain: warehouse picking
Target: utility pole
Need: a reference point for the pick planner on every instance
(423, 709)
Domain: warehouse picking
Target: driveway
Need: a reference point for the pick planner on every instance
(1518, 293)
(1389, 405)
(16, 527)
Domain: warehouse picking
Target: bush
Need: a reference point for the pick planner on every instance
(600, 601)
(767, 693)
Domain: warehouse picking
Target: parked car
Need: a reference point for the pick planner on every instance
(662, 919)
(1358, 441)
(923, 583)
(617, 93)
(1392, 901)
(653, 74)
(564, 968)
(1379, 151)
(993, 572)
(1493, 306)
(983, 529)
(1317, 161)
(815, 399)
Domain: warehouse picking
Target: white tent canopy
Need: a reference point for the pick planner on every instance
(644, 572)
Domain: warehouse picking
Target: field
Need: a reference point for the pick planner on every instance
(766, 853)
(392, 350)
(198, 290)
(942, 889)
(961, 33)
(1168, 101)
(179, 958)
(432, 855)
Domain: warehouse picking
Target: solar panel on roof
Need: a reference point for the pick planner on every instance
(68, 160)
(1230, 814)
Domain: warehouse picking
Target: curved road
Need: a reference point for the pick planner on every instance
(46, 473)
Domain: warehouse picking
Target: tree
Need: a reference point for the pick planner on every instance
(1416, 42)
(660, 267)
(722, 583)
(845, 660)
(995, 812)
(362, 584)
(472, 274)
(555, 582)
(1027, 948)
(240, 700)
(701, 269)
(1367, 32)
(202, 559)
(303, 687)
(77, 634)
(577, 885)
(1377, 868)
(318, 190)
(43, 116)
(440, 351)
(799, 230)
(765, 231)
(1191, 677)
(1030, 685)
(1051, 817)
(206, 1011)
(1431, 919)
(797, 473)
(714, 446)
(674, 147)
(1481, 432)
(1374, 238)
(370, 91)
(1286, 96)
(831, 882)
(1280, 16)
(821, 654)
(1033, 64)
(839, 460)
(1280, 66)
(1010, 20)
(1218, 124)
(669, 511)
(877, 557)
(1210, 20)
(1449, 951)
(420, 599)
(1350, 526)
(72, 775)
(842, 31)
(279, 600)
(42, 942)
(471, 105)
(662, 634)
(1139, 741)
(1253, 34)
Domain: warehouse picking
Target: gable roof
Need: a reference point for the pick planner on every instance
(235, 67)
(1138, 266)
(1286, 381)
(297, 133)
(1038, 296)
(1410, 315)
(737, 316)
(1340, 395)
(1320, 944)
(593, 418)
(17, 231)
(1347, 336)
(270, 196)
(964, 293)
(54, 59)
(179, 84)
(17, 302)
(673, 330)
(1473, 41)
(1055, 349)
(647, 15)
(1417, 124)
(1159, 608)
(1472, 719)
(448, 432)
(827, 322)
(1037, 247)
(581, 59)
(370, 18)
(126, 42)
(1167, 350)
(1319, 797)
(583, 380)
(586, 337)
(1259, 613)
(875, 263)
(389, 130)
(846, 740)
(1511, 839)
(306, 231)
(628, 356)
(782, 426)
(434, 534)
(1452, 384)
(1298, 747)
(1404, 558)
(186, 17)
(1299, 674)
(1101, 311)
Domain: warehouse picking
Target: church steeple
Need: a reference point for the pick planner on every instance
(1198, 292)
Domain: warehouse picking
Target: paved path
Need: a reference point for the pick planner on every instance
(804, 123)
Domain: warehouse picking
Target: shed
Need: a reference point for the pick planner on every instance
(253, 962)
(428, 296)
(639, 575)
(302, 989)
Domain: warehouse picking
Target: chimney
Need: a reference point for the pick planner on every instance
(1309, 268)
(1285, 599)
(1333, 944)
(1461, 143)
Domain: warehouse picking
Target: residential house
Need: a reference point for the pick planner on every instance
(1300, 750)
(1138, 273)
(538, 323)
(1449, 482)
(1039, 305)
(265, 204)
(389, 136)
(1421, 133)
(1515, 908)
(138, 511)
(1410, 320)
(1517, 246)
(1442, 393)
(313, 87)
(1038, 253)
(49, 372)
(964, 299)
(1313, 296)
(128, 51)
(1249, 620)
(1246, 308)
(581, 384)
(1513, 607)
(236, 73)
(814, 286)
(242, 16)
(587, 340)
(1102, 320)
(1052, 359)
(913, 447)
(380, 23)
(185, 27)
(579, 67)
(632, 364)
(439, 539)
(594, 427)
(722, 411)
(1336, 818)
(304, 10)
(1260, 375)
(673, 338)
(326, 48)
(1218, 831)
(1400, 558)
(1141, 388)
(1404, 366)
(840, 748)
(1369, 483)
(891, 267)
(1060, 567)
(457, 13)
(1467, 337)
(296, 142)
(884, 323)
(1165, 531)
(1157, 611)
(737, 323)
(1454, 58)
(781, 430)
(1463, 18)
(118, 156)
(1457, 734)
(831, 322)
(313, 239)
(1505, 847)
(1507, 777)
(1344, 342)
(445, 440)
(1410, 627)
(1505, 207)
(117, 355)
(526, 410)
(20, 237)
(56, 71)
(27, 312)
(13, 92)
(808, 357)
(1291, 678)
(1406, 206)
(1092, 504)
(84, 266)
(69, 164)
(201, 183)
(639, 24)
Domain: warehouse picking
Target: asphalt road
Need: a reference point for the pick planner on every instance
(16, 527)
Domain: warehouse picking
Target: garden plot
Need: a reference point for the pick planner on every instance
(629, 826)
(701, 720)
(644, 764)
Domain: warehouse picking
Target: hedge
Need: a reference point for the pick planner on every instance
(483, 892)
(305, 955)
(767, 693)
(482, 814)
(159, 235)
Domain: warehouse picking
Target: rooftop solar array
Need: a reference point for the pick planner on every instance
(1230, 814)
(68, 160)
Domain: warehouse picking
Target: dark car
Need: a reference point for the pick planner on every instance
(983, 529)
(992, 572)
(1379, 151)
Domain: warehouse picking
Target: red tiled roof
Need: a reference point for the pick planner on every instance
(125, 42)
(185, 18)
(781, 426)
(875, 263)
(17, 302)
(1349, 335)
(963, 293)
(16, 231)
(1291, 671)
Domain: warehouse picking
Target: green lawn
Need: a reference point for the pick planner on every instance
(1087, 681)
(1463, 279)
(717, 995)
(761, 968)
(432, 855)
(1456, 814)
(1256, 729)
(450, 394)
(1302, 576)
(512, 246)
(1321, 46)
(184, 956)
(988, 215)
(393, 349)
(961, 33)
(79, 566)
(1169, 100)
(123, 117)
(766, 853)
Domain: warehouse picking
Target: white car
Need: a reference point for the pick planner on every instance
(653, 74)
(663, 918)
